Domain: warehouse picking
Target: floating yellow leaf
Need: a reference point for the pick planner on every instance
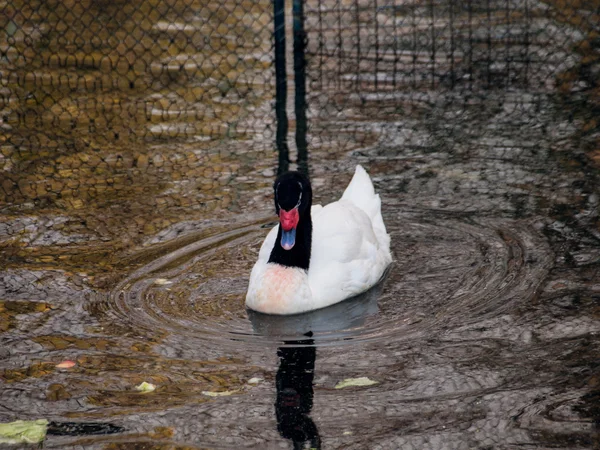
(348, 382)
(254, 380)
(219, 394)
(162, 281)
(23, 431)
(145, 387)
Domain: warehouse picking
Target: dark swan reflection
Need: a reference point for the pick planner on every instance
(301, 334)
(294, 401)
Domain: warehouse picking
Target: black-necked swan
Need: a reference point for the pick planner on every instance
(318, 256)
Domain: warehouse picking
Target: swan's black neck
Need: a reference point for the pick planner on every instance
(299, 254)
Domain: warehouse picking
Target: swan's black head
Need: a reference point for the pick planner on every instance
(293, 199)
(292, 190)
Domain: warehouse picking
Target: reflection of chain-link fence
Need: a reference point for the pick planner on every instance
(387, 60)
(160, 110)
(137, 159)
(81, 75)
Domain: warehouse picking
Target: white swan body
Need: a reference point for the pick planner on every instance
(350, 252)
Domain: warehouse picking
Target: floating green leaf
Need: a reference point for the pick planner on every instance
(348, 382)
(23, 431)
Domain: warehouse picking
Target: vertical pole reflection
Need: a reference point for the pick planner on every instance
(294, 382)
(280, 85)
(300, 84)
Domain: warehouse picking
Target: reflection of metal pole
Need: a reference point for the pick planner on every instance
(300, 85)
(280, 85)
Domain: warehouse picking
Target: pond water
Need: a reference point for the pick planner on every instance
(131, 259)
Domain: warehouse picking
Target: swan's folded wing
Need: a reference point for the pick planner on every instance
(345, 252)
(361, 193)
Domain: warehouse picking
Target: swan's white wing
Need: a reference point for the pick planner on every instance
(361, 192)
(346, 257)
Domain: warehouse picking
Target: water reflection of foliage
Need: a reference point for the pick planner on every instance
(107, 101)
(178, 382)
(9, 310)
(579, 86)
(109, 380)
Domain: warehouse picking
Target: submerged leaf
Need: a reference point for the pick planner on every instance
(145, 387)
(23, 431)
(254, 380)
(362, 381)
(162, 281)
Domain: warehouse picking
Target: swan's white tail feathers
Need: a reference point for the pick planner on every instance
(361, 192)
(360, 189)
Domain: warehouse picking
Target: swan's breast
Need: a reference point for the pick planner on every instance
(277, 289)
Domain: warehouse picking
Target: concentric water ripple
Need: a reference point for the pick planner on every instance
(447, 273)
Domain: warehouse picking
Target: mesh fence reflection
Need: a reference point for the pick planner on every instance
(137, 158)
(82, 76)
(389, 60)
(120, 119)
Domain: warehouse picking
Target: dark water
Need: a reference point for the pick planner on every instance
(483, 335)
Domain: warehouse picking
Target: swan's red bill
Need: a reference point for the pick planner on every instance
(289, 222)
(289, 219)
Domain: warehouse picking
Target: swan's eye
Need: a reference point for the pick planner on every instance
(299, 200)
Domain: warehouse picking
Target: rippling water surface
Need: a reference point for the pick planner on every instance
(482, 335)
